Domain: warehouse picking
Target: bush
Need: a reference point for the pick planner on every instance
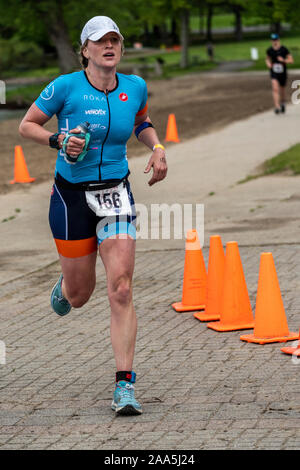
(19, 55)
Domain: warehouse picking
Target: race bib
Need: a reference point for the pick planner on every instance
(109, 202)
(277, 68)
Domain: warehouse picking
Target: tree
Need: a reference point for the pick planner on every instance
(58, 32)
(184, 18)
(209, 17)
(177, 10)
(61, 22)
(30, 19)
(276, 11)
(238, 7)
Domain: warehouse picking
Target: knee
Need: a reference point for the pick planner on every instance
(78, 301)
(78, 297)
(120, 291)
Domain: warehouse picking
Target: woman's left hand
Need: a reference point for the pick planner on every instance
(159, 164)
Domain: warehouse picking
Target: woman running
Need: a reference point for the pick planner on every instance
(92, 207)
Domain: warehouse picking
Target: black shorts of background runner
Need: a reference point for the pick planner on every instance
(280, 77)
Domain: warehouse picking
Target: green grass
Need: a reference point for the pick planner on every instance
(171, 58)
(8, 218)
(25, 95)
(225, 20)
(175, 71)
(171, 67)
(226, 51)
(218, 21)
(289, 160)
(241, 50)
(34, 73)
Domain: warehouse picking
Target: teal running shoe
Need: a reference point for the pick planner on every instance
(124, 402)
(59, 303)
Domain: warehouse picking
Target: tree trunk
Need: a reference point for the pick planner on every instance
(184, 38)
(146, 36)
(156, 36)
(210, 11)
(58, 33)
(67, 58)
(174, 32)
(164, 33)
(238, 23)
(201, 20)
(276, 27)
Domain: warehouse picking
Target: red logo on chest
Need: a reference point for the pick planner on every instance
(123, 97)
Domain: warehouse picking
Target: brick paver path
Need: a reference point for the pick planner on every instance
(200, 389)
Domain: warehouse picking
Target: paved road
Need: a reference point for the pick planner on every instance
(200, 389)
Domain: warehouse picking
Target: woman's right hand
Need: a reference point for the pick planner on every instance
(75, 145)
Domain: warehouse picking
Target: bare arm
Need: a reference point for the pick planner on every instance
(31, 127)
(289, 59)
(32, 124)
(148, 136)
(268, 62)
(157, 160)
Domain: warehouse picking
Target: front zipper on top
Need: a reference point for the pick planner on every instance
(108, 128)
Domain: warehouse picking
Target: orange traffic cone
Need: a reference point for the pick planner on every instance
(290, 350)
(270, 320)
(172, 134)
(194, 278)
(215, 279)
(236, 312)
(21, 174)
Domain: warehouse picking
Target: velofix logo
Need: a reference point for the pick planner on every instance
(96, 112)
(2, 353)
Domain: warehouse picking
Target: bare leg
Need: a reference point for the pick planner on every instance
(282, 94)
(275, 93)
(79, 278)
(118, 258)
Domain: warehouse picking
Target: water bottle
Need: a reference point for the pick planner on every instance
(83, 134)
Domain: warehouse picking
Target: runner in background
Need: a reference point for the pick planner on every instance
(92, 208)
(278, 57)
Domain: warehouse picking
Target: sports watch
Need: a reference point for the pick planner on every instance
(53, 141)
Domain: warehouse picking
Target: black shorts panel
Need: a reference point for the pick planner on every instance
(76, 229)
(280, 77)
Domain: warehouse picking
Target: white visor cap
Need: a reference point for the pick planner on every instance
(97, 27)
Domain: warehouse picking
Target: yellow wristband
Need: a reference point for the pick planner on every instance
(158, 146)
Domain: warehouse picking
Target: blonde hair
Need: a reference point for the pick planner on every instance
(84, 61)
